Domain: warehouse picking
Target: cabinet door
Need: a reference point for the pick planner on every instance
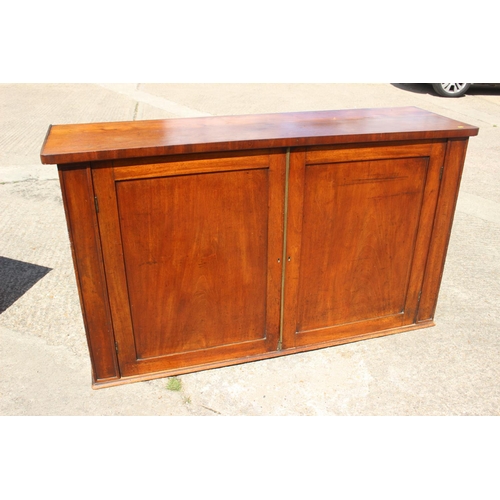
(359, 226)
(192, 252)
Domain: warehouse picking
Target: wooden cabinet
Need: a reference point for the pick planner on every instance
(200, 243)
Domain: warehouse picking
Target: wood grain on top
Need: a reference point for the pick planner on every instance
(115, 140)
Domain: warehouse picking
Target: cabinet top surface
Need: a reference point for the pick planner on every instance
(115, 140)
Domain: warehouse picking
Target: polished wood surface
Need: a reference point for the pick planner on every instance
(193, 259)
(268, 235)
(78, 199)
(106, 141)
(366, 217)
(450, 183)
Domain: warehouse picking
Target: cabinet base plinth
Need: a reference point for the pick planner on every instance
(96, 384)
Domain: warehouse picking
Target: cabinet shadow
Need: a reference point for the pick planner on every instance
(16, 278)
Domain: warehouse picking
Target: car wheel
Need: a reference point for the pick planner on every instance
(451, 89)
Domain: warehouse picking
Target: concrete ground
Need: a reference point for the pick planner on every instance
(451, 369)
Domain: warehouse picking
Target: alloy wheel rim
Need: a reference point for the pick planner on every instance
(453, 88)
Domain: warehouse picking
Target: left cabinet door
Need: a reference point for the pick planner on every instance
(192, 248)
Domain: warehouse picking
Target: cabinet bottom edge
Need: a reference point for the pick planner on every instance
(101, 384)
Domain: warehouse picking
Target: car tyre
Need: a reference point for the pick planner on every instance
(451, 89)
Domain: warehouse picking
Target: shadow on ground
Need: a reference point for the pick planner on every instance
(416, 88)
(16, 278)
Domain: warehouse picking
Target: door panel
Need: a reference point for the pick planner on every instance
(360, 221)
(202, 248)
(207, 244)
(357, 259)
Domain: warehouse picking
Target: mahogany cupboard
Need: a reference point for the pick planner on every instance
(205, 242)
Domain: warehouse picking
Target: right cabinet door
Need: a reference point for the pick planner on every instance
(359, 225)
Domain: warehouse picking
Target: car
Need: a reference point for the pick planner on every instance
(455, 89)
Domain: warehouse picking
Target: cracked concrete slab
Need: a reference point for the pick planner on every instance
(139, 96)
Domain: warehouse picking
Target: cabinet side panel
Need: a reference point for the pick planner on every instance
(452, 173)
(79, 205)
